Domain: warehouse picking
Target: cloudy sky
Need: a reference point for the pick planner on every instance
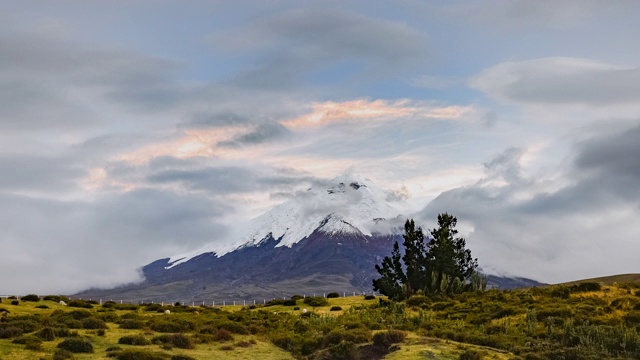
(135, 130)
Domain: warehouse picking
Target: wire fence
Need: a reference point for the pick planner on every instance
(200, 302)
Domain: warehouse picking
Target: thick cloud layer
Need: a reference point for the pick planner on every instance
(135, 131)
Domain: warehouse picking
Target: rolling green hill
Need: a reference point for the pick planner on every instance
(609, 280)
(583, 320)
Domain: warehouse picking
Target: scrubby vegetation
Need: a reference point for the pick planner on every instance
(583, 321)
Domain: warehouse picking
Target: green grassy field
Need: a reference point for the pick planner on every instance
(588, 321)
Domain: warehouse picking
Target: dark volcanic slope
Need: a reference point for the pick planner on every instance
(315, 265)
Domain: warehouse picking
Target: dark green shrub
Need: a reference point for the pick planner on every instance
(61, 354)
(333, 295)
(12, 298)
(33, 344)
(15, 302)
(131, 324)
(25, 339)
(138, 340)
(138, 354)
(297, 297)
(8, 332)
(46, 334)
(632, 317)
(80, 304)
(296, 308)
(78, 314)
(76, 345)
(369, 297)
(178, 340)
(387, 338)
(285, 342)
(503, 313)
(345, 350)
(222, 335)
(417, 300)
(587, 286)
(55, 298)
(470, 355)
(335, 308)
(101, 332)
(154, 307)
(169, 327)
(93, 323)
(108, 304)
(42, 307)
(316, 301)
(561, 292)
(309, 346)
(234, 327)
(284, 302)
(73, 324)
(30, 297)
(126, 307)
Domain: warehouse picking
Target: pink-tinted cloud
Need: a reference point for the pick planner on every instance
(376, 110)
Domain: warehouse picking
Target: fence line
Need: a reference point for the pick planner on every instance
(208, 303)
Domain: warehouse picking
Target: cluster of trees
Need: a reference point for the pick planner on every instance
(442, 265)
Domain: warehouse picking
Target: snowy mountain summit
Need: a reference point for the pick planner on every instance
(347, 205)
(328, 238)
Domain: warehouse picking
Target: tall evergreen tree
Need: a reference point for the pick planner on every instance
(414, 258)
(393, 277)
(444, 266)
(448, 258)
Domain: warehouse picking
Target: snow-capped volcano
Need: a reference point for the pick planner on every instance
(349, 204)
(326, 239)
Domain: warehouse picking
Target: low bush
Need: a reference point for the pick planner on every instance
(42, 307)
(61, 354)
(333, 295)
(55, 298)
(75, 345)
(93, 323)
(283, 302)
(343, 350)
(30, 297)
(587, 286)
(138, 354)
(131, 324)
(169, 327)
(178, 340)
(137, 340)
(15, 302)
(470, 355)
(417, 300)
(47, 334)
(316, 301)
(335, 308)
(297, 297)
(387, 338)
(80, 304)
(369, 297)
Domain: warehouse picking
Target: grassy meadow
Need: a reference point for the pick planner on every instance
(579, 321)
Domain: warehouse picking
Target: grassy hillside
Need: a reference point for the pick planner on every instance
(609, 280)
(586, 321)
